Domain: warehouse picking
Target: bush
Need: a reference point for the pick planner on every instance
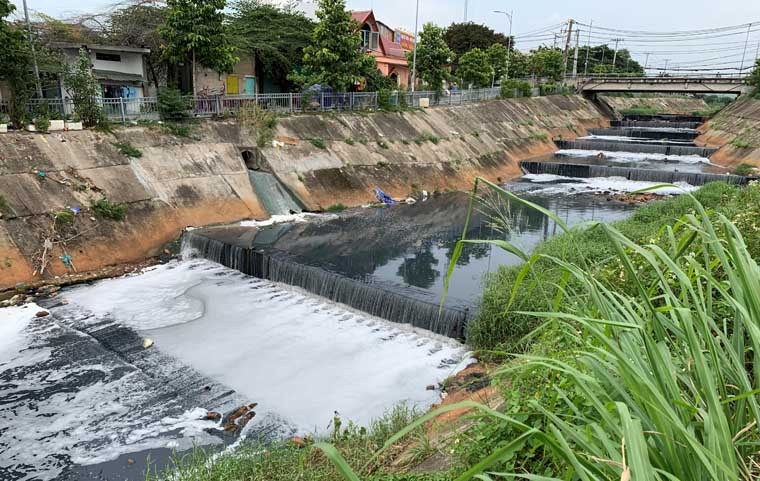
(512, 86)
(384, 100)
(63, 218)
(262, 122)
(319, 143)
(427, 137)
(127, 149)
(172, 105)
(744, 169)
(42, 124)
(109, 210)
(84, 89)
(336, 208)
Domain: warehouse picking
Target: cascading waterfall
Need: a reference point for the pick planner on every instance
(379, 299)
(653, 134)
(648, 175)
(656, 124)
(601, 145)
(276, 198)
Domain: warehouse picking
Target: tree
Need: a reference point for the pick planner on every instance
(600, 59)
(84, 89)
(194, 31)
(334, 57)
(519, 66)
(463, 37)
(547, 63)
(276, 38)
(138, 26)
(15, 65)
(433, 56)
(475, 68)
(498, 56)
(754, 79)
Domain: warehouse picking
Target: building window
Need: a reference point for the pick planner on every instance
(370, 39)
(110, 57)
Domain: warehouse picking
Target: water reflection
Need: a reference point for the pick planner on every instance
(413, 245)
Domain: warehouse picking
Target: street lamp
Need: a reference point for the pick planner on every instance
(414, 55)
(509, 16)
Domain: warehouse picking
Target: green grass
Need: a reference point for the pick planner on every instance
(109, 210)
(740, 143)
(335, 208)
(318, 142)
(176, 129)
(63, 218)
(349, 141)
(127, 149)
(286, 462)
(427, 137)
(744, 169)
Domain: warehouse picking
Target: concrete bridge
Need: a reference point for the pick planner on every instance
(680, 85)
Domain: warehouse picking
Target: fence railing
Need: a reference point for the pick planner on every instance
(146, 108)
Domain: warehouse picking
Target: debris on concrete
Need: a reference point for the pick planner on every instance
(147, 343)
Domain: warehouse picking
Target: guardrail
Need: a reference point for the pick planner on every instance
(146, 108)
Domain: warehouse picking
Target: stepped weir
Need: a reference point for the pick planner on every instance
(652, 134)
(656, 124)
(647, 175)
(398, 304)
(647, 148)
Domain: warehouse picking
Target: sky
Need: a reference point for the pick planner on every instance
(531, 15)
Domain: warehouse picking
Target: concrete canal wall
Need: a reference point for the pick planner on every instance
(203, 179)
(736, 130)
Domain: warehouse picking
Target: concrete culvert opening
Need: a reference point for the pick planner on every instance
(251, 161)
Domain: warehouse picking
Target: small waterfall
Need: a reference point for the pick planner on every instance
(665, 134)
(642, 147)
(665, 118)
(656, 124)
(648, 175)
(385, 300)
(276, 198)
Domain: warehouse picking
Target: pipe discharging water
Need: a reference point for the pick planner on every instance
(648, 175)
(402, 305)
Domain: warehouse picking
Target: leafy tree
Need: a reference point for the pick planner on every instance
(475, 68)
(600, 59)
(433, 56)
(463, 37)
(194, 31)
(519, 66)
(84, 89)
(547, 63)
(334, 56)
(275, 37)
(138, 26)
(15, 65)
(498, 55)
(754, 78)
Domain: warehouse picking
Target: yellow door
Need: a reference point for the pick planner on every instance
(233, 86)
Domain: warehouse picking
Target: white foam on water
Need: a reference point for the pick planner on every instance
(297, 355)
(633, 156)
(13, 320)
(574, 185)
(288, 218)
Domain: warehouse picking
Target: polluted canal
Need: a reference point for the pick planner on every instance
(266, 331)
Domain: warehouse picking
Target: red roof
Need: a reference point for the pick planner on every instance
(361, 16)
(392, 49)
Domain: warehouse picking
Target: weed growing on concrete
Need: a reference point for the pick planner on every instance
(404, 141)
(744, 169)
(263, 122)
(319, 143)
(178, 130)
(349, 141)
(363, 141)
(128, 149)
(382, 144)
(427, 137)
(109, 210)
(382, 164)
(740, 143)
(63, 217)
(476, 134)
(42, 124)
(3, 204)
(539, 136)
(336, 208)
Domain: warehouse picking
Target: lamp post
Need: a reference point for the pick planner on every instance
(414, 55)
(509, 16)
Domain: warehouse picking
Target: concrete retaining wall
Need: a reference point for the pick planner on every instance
(736, 130)
(203, 180)
(663, 105)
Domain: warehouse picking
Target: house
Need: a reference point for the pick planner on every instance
(388, 46)
(120, 71)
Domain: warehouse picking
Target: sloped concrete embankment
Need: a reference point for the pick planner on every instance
(174, 184)
(660, 105)
(437, 149)
(736, 131)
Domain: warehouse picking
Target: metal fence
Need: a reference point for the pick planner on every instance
(146, 108)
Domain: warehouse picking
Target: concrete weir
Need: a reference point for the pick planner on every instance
(394, 303)
(649, 175)
(653, 134)
(647, 148)
(657, 124)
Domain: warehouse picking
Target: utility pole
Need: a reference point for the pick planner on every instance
(614, 58)
(588, 48)
(466, 7)
(746, 42)
(646, 64)
(575, 57)
(414, 55)
(567, 46)
(34, 54)
(665, 70)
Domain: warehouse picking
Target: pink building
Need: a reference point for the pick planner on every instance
(388, 46)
